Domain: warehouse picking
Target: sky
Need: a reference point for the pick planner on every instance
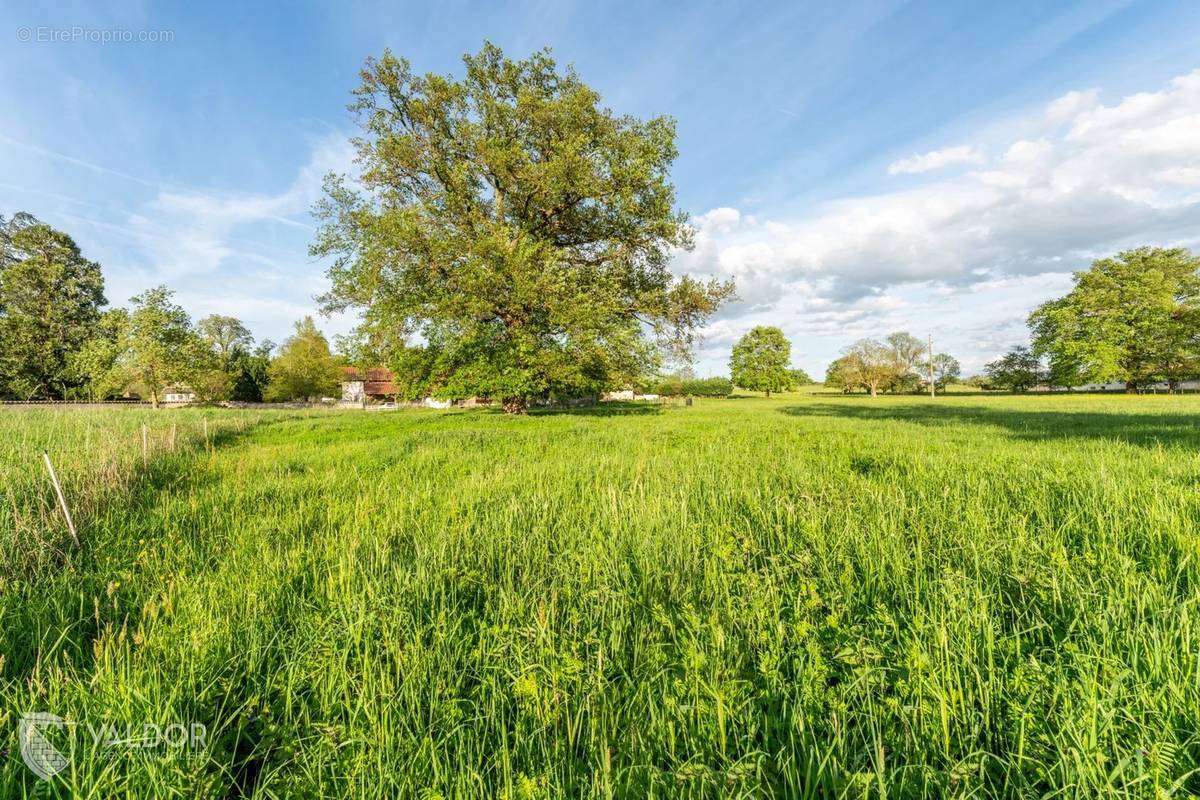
(857, 168)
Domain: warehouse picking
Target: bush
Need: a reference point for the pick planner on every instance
(671, 386)
(709, 387)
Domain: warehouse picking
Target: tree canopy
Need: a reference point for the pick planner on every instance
(761, 361)
(50, 301)
(1132, 318)
(899, 363)
(868, 364)
(1018, 370)
(305, 368)
(161, 347)
(512, 227)
(946, 370)
(226, 335)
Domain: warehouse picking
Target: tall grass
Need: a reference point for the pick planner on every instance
(817, 597)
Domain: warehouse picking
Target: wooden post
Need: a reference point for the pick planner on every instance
(62, 500)
(206, 431)
(932, 387)
(145, 446)
(172, 437)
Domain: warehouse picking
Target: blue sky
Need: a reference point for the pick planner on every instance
(858, 168)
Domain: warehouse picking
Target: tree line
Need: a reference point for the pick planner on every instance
(507, 235)
(1133, 318)
(61, 342)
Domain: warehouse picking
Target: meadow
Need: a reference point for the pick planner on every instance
(807, 596)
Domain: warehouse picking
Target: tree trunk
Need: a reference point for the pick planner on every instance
(873, 393)
(768, 392)
(1130, 387)
(515, 405)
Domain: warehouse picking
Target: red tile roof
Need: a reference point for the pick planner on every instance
(377, 380)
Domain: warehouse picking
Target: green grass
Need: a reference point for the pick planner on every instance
(802, 597)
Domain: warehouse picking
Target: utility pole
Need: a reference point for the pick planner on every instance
(932, 388)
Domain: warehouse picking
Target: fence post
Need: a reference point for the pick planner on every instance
(62, 500)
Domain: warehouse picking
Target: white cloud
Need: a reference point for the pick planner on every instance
(1070, 104)
(719, 220)
(1106, 177)
(935, 159)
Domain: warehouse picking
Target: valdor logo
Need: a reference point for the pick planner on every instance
(38, 753)
(46, 760)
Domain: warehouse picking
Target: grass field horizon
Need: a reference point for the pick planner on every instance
(802, 596)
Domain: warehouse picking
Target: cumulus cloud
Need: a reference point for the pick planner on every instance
(1099, 178)
(719, 220)
(934, 159)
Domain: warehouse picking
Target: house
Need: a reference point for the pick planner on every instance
(178, 394)
(360, 387)
(1119, 386)
(377, 386)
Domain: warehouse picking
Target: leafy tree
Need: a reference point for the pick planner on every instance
(760, 360)
(946, 370)
(868, 364)
(96, 366)
(161, 348)
(517, 223)
(799, 377)
(244, 368)
(249, 372)
(305, 368)
(210, 384)
(907, 354)
(226, 335)
(836, 375)
(675, 386)
(1133, 318)
(708, 387)
(50, 300)
(1017, 370)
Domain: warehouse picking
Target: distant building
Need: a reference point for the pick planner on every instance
(360, 387)
(1119, 386)
(178, 394)
(374, 387)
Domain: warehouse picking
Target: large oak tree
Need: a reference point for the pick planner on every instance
(513, 227)
(761, 361)
(50, 300)
(1133, 318)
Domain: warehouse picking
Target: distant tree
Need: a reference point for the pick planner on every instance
(760, 360)
(161, 347)
(96, 366)
(685, 373)
(305, 367)
(907, 353)
(868, 363)
(836, 375)
(249, 373)
(226, 335)
(798, 377)
(512, 219)
(708, 387)
(1133, 318)
(211, 384)
(946, 370)
(1017, 370)
(244, 367)
(50, 300)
